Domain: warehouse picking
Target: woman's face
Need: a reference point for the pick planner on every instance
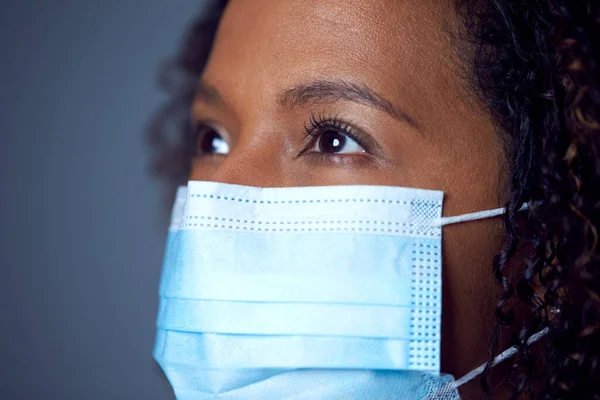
(310, 93)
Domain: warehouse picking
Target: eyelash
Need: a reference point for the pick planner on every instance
(319, 124)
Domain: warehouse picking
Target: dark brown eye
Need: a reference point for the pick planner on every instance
(209, 141)
(332, 141)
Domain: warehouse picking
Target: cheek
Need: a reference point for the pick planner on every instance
(204, 167)
(469, 292)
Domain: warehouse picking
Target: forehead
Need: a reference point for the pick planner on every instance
(402, 48)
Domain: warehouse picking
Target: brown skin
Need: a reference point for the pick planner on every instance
(402, 50)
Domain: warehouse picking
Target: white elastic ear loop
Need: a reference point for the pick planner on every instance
(499, 358)
(474, 216)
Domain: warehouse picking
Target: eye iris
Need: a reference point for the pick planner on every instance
(332, 142)
(211, 143)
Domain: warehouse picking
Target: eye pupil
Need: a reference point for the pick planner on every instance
(207, 142)
(332, 142)
(210, 142)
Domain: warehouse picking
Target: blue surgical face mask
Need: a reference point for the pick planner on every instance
(305, 293)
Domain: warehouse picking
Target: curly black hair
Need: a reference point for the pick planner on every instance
(535, 65)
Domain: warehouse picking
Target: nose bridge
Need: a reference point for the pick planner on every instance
(251, 164)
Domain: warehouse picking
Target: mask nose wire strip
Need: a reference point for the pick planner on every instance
(499, 358)
(473, 216)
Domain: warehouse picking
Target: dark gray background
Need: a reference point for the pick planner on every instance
(81, 234)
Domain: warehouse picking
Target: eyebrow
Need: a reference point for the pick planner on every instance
(323, 91)
(329, 91)
(208, 93)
